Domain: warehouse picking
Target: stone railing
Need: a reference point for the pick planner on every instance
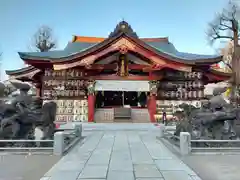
(183, 144)
(62, 142)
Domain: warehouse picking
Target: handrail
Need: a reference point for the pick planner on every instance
(25, 140)
(74, 134)
(213, 140)
(26, 148)
(186, 147)
(215, 148)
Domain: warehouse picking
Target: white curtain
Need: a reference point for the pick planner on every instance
(116, 85)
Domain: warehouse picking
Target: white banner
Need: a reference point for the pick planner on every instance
(116, 85)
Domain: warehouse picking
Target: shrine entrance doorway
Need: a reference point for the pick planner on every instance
(120, 100)
(113, 93)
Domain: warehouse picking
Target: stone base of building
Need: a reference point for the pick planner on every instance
(106, 115)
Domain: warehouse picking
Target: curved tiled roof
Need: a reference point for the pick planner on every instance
(76, 47)
(168, 48)
(81, 44)
(25, 69)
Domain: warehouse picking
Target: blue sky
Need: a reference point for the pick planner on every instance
(183, 21)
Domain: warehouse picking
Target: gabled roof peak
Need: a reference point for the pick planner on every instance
(123, 27)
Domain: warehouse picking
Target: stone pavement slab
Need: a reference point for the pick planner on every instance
(121, 166)
(64, 175)
(222, 166)
(174, 175)
(120, 175)
(146, 171)
(121, 155)
(149, 179)
(25, 167)
(94, 171)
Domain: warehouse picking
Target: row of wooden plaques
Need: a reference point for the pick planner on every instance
(181, 84)
(64, 73)
(52, 83)
(181, 95)
(184, 75)
(71, 118)
(64, 93)
(79, 111)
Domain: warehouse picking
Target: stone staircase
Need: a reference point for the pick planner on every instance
(140, 116)
(104, 115)
(122, 113)
(126, 115)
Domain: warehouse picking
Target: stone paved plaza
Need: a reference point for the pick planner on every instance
(120, 155)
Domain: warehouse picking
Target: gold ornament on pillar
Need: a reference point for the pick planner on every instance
(123, 66)
(91, 87)
(153, 87)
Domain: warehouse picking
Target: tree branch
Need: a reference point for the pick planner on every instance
(228, 65)
(225, 25)
(43, 40)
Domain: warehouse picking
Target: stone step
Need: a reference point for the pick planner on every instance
(123, 120)
(122, 113)
(107, 116)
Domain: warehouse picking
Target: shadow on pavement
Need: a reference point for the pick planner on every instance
(25, 167)
(215, 167)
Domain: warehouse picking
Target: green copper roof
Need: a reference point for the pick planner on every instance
(76, 47)
(122, 28)
(169, 49)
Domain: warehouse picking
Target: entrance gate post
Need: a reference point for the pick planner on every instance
(91, 100)
(152, 101)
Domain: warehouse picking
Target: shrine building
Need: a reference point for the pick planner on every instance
(120, 78)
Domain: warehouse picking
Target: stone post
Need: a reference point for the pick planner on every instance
(185, 143)
(58, 144)
(78, 130)
(161, 130)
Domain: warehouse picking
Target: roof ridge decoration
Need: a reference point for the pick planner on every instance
(123, 27)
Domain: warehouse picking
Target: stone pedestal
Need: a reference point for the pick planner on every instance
(58, 145)
(185, 143)
(161, 130)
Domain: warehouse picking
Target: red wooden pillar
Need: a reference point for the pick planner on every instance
(91, 107)
(91, 100)
(152, 108)
(152, 101)
(38, 93)
(38, 89)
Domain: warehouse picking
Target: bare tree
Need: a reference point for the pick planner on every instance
(227, 53)
(1, 65)
(225, 25)
(43, 39)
